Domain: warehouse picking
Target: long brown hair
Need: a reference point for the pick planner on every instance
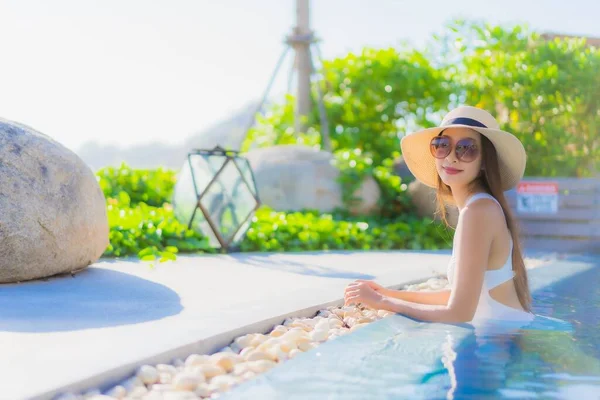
(491, 182)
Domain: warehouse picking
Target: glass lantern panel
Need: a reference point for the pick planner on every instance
(228, 201)
(240, 235)
(200, 224)
(205, 167)
(184, 199)
(244, 166)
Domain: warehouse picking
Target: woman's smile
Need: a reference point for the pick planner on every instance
(451, 171)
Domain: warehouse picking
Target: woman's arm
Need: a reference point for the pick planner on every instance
(439, 297)
(472, 253)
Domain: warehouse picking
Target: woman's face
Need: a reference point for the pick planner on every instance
(451, 169)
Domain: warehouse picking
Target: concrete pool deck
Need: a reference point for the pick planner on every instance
(95, 328)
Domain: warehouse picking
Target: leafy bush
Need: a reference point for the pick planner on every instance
(313, 230)
(151, 186)
(150, 233)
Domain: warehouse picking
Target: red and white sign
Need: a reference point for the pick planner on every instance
(537, 198)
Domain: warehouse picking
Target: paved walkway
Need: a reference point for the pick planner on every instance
(95, 327)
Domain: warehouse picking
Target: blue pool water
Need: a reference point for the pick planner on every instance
(556, 356)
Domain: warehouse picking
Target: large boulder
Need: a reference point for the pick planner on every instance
(53, 212)
(295, 177)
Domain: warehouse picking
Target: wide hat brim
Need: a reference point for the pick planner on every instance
(512, 158)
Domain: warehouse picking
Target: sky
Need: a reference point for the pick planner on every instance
(127, 72)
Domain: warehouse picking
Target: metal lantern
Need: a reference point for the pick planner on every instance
(216, 194)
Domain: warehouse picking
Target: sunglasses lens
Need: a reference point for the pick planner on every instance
(440, 147)
(466, 150)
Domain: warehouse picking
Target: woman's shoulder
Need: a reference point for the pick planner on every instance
(483, 214)
(483, 207)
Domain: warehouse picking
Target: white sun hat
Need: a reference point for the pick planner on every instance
(511, 153)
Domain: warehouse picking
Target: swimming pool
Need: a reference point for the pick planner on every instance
(556, 356)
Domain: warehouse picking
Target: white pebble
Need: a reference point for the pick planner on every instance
(148, 374)
(222, 383)
(322, 325)
(261, 366)
(226, 360)
(138, 392)
(364, 320)
(248, 375)
(196, 359)
(202, 390)
(257, 355)
(277, 353)
(278, 331)
(258, 339)
(210, 370)
(244, 353)
(165, 377)
(152, 395)
(357, 326)
(319, 335)
(294, 353)
(166, 368)
(306, 346)
(241, 368)
(177, 395)
(244, 341)
(186, 381)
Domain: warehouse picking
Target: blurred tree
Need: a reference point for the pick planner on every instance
(369, 98)
(546, 92)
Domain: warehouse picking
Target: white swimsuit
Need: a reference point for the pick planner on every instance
(488, 308)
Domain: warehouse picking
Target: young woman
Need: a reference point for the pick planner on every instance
(470, 162)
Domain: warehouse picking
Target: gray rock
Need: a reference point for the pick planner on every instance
(295, 177)
(53, 213)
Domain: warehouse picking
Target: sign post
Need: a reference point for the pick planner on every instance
(537, 198)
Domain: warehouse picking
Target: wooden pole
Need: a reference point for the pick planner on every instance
(303, 62)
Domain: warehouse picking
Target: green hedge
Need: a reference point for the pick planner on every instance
(152, 232)
(313, 230)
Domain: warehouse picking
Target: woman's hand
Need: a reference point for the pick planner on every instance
(362, 292)
(373, 285)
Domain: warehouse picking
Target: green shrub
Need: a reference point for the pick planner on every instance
(149, 232)
(313, 230)
(151, 186)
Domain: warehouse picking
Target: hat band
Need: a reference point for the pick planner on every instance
(464, 121)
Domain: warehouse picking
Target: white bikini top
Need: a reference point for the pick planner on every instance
(494, 277)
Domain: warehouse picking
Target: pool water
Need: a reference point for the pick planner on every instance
(556, 356)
